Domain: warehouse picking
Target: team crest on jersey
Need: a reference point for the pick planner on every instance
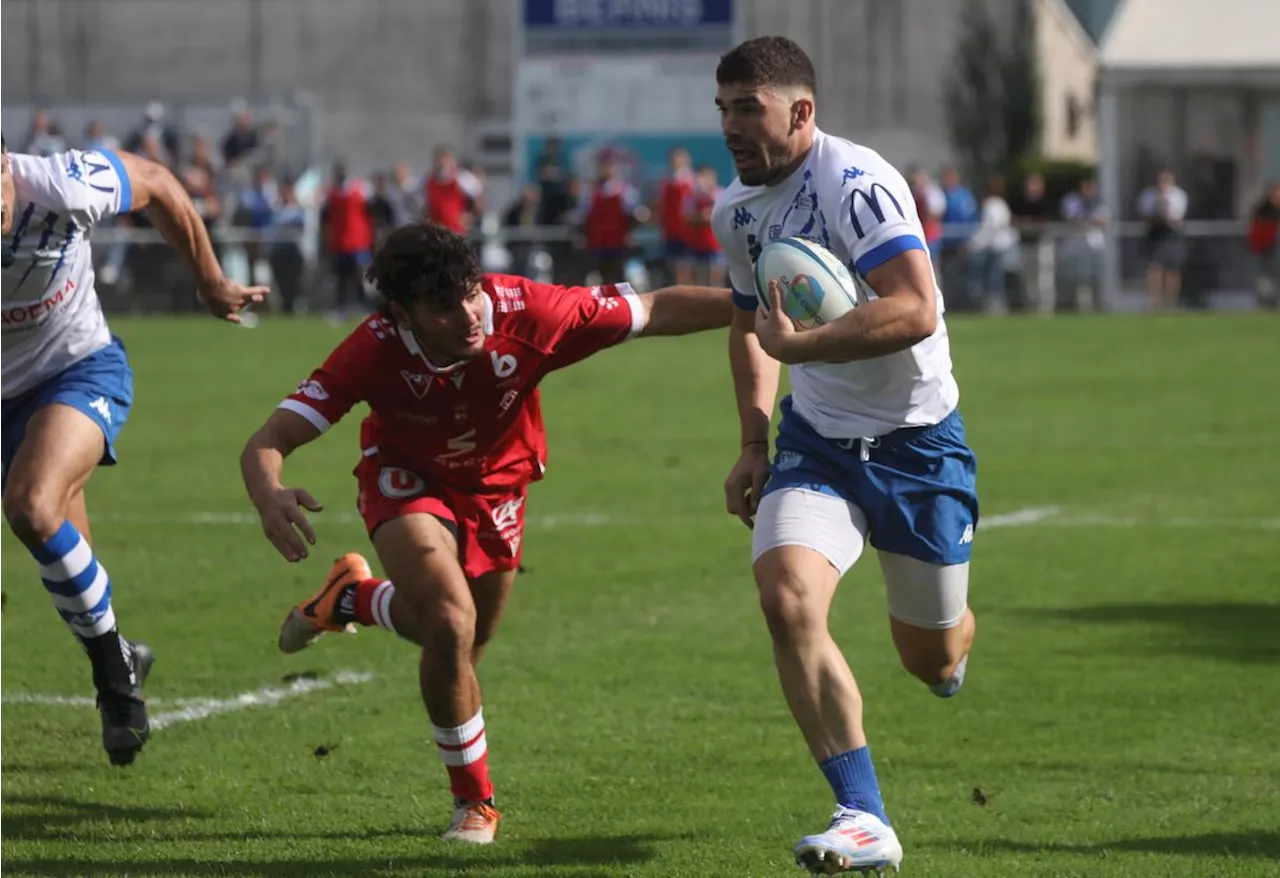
(420, 384)
(313, 389)
(775, 232)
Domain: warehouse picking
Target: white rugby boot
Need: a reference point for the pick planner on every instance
(854, 842)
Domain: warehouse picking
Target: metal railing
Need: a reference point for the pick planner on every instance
(1053, 266)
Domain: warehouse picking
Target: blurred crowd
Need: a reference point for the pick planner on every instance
(1011, 245)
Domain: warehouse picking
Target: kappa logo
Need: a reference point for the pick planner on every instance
(852, 174)
(507, 515)
(399, 483)
(420, 384)
(967, 537)
(742, 217)
(102, 407)
(504, 366)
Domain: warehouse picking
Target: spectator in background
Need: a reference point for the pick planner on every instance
(347, 233)
(406, 194)
(96, 137)
(1163, 207)
(382, 209)
(255, 209)
(241, 141)
(43, 137)
(153, 125)
(992, 247)
(273, 147)
(555, 200)
(960, 211)
(1084, 249)
(521, 215)
(931, 205)
(1264, 241)
(1030, 209)
(704, 250)
(610, 213)
(151, 146)
(450, 192)
(675, 204)
(285, 255)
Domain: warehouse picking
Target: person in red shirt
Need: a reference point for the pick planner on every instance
(452, 193)
(673, 202)
(347, 232)
(704, 249)
(612, 211)
(449, 369)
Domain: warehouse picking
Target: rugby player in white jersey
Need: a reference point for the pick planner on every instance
(67, 386)
(870, 447)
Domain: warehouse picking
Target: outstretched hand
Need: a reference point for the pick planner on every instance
(226, 299)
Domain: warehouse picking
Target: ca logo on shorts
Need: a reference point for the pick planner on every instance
(506, 514)
(399, 483)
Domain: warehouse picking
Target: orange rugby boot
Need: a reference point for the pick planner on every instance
(318, 614)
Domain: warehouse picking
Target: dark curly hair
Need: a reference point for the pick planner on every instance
(767, 61)
(422, 262)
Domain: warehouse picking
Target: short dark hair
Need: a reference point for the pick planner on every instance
(767, 61)
(422, 262)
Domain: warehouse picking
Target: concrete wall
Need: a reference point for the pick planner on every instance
(393, 77)
(1068, 71)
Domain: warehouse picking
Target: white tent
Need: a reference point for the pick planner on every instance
(1180, 80)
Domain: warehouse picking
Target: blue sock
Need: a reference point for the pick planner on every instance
(853, 780)
(79, 586)
(951, 686)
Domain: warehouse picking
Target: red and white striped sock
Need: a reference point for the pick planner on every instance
(465, 754)
(373, 603)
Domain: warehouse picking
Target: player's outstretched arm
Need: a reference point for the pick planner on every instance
(681, 310)
(157, 191)
(262, 466)
(904, 315)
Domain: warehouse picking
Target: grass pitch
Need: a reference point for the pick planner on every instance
(1119, 719)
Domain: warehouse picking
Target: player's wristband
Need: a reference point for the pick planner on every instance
(764, 442)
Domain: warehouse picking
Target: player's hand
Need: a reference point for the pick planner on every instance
(283, 519)
(226, 299)
(746, 480)
(776, 331)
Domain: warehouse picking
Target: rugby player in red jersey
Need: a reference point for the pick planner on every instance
(449, 369)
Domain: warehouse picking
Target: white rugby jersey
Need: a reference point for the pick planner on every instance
(853, 202)
(50, 311)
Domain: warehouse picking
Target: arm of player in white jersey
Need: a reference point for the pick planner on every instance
(158, 192)
(877, 223)
(262, 467)
(903, 315)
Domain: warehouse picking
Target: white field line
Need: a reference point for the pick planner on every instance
(185, 710)
(1054, 516)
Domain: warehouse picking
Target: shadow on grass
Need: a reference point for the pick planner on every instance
(37, 818)
(1262, 844)
(543, 857)
(1243, 633)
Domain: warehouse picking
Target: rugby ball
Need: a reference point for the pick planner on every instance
(817, 288)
